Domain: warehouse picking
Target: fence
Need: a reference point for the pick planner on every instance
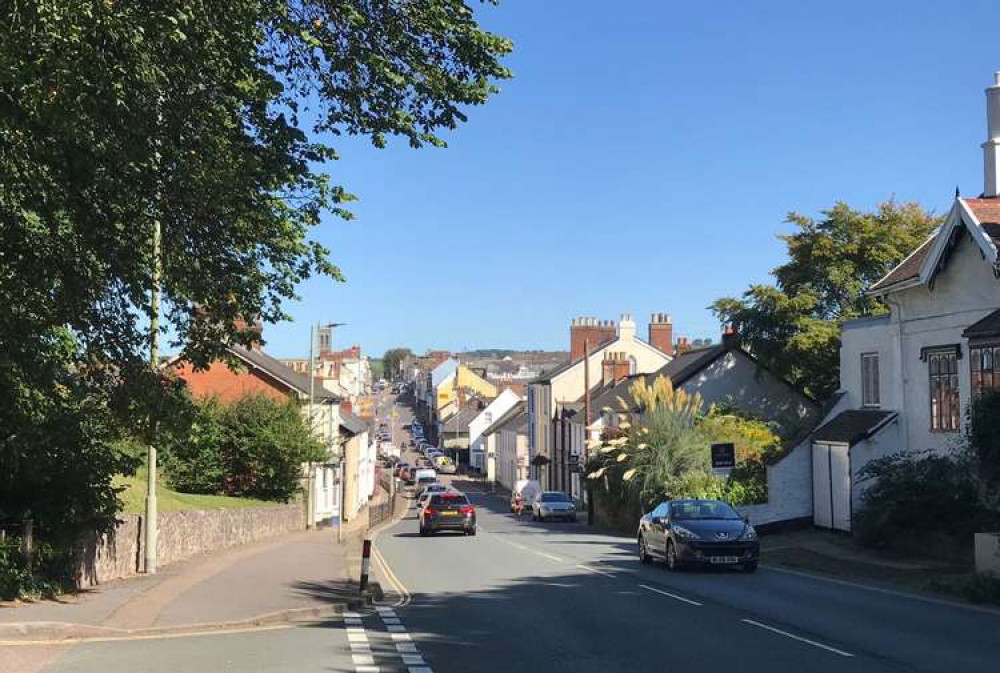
(383, 505)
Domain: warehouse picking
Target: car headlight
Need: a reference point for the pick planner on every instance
(750, 533)
(684, 533)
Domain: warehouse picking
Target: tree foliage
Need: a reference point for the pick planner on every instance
(252, 448)
(793, 326)
(215, 119)
(392, 359)
(984, 443)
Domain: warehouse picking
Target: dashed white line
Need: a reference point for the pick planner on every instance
(798, 638)
(594, 570)
(670, 595)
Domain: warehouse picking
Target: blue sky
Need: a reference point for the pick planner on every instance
(643, 159)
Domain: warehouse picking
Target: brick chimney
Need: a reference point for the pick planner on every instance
(597, 332)
(255, 328)
(683, 344)
(661, 332)
(614, 368)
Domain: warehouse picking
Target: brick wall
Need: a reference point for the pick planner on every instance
(227, 385)
(182, 535)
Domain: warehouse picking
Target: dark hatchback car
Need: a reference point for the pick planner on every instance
(698, 532)
(448, 511)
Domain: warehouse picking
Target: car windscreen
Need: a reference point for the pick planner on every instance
(555, 497)
(702, 509)
(449, 499)
(426, 480)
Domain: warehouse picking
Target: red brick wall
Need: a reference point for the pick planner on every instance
(223, 383)
(590, 330)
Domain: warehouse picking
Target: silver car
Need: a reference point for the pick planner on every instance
(553, 505)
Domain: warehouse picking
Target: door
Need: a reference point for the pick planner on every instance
(656, 539)
(831, 466)
(822, 507)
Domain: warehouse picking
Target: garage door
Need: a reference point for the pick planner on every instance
(822, 507)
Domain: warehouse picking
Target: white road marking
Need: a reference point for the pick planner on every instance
(595, 570)
(400, 636)
(798, 638)
(366, 669)
(394, 628)
(409, 648)
(667, 593)
(419, 669)
(413, 660)
(391, 620)
(363, 659)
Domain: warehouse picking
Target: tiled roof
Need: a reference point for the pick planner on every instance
(352, 423)
(281, 372)
(987, 211)
(908, 269)
(852, 426)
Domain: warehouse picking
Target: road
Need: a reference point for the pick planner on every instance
(525, 596)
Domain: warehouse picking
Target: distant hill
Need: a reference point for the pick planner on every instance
(500, 353)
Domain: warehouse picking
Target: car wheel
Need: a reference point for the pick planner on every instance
(423, 531)
(534, 517)
(471, 531)
(644, 556)
(671, 557)
(750, 567)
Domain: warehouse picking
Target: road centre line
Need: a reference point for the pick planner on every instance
(798, 638)
(595, 570)
(667, 593)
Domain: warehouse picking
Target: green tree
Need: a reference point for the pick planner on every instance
(214, 118)
(793, 326)
(392, 359)
(252, 448)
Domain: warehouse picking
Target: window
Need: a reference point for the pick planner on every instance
(661, 510)
(633, 366)
(985, 365)
(870, 380)
(942, 366)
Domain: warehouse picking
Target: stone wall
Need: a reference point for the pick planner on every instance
(182, 535)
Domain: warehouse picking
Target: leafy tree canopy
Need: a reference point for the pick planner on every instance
(392, 359)
(793, 326)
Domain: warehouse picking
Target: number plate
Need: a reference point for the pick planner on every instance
(723, 559)
(447, 513)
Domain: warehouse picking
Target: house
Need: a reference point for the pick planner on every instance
(723, 374)
(908, 376)
(453, 427)
(346, 372)
(251, 371)
(479, 458)
(453, 376)
(592, 343)
(507, 439)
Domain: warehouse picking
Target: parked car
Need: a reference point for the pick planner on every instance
(698, 532)
(399, 468)
(445, 465)
(528, 490)
(553, 505)
(448, 511)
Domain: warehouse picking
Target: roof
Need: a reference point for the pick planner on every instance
(987, 211)
(512, 413)
(987, 327)
(443, 371)
(851, 426)
(465, 416)
(352, 423)
(281, 372)
(547, 376)
(908, 269)
(550, 374)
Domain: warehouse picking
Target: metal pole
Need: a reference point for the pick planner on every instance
(149, 538)
(340, 505)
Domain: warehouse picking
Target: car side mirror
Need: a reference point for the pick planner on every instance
(655, 520)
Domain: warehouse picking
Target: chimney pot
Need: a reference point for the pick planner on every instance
(991, 148)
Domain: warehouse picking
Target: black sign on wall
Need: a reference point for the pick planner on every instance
(723, 456)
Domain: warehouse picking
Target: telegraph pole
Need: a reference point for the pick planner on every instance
(154, 356)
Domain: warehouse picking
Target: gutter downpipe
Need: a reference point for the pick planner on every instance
(897, 311)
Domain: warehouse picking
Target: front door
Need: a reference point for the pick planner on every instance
(831, 469)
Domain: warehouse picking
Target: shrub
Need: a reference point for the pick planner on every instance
(984, 442)
(251, 448)
(53, 571)
(910, 492)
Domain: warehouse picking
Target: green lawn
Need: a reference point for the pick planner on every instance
(134, 498)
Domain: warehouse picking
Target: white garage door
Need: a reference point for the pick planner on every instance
(822, 507)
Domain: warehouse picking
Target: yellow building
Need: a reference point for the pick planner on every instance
(462, 378)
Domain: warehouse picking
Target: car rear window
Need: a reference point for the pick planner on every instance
(449, 499)
(555, 497)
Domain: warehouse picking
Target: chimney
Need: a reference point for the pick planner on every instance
(253, 329)
(597, 332)
(991, 148)
(730, 338)
(661, 332)
(683, 344)
(614, 368)
(626, 328)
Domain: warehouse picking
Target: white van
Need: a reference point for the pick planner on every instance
(422, 477)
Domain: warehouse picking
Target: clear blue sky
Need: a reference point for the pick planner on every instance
(643, 159)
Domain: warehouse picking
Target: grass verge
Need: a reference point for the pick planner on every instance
(134, 498)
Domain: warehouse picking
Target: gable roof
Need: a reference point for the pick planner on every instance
(286, 375)
(352, 423)
(979, 217)
(988, 327)
(853, 425)
(495, 426)
(444, 370)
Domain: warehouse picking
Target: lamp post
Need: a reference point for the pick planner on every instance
(149, 537)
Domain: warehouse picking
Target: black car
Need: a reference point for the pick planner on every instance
(448, 511)
(698, 532)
